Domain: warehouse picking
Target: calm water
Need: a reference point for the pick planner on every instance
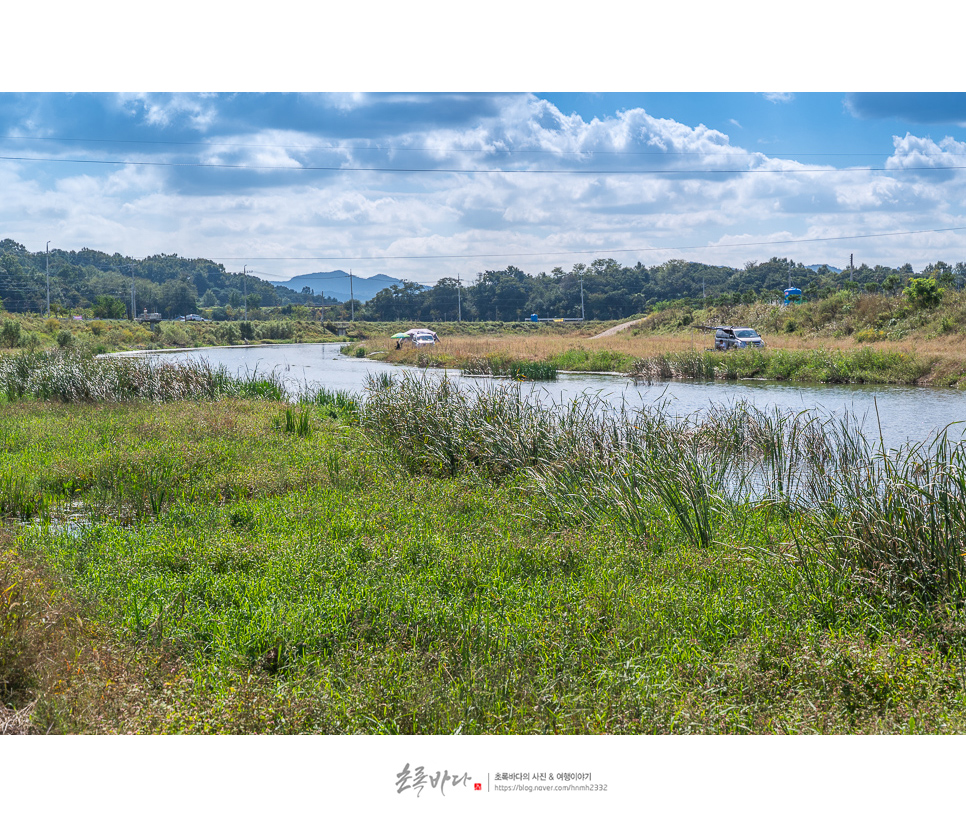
(904, 412)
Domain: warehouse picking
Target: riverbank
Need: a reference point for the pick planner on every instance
(423, 562)
(846, 338)
(654, 358)
(31, 332)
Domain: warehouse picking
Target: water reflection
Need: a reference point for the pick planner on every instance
(901, 412)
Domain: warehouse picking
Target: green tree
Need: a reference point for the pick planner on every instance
(944, 278)
(442, 302)
(178, 298)
(400, 302)
(109, 307)
(923, 292)
(892, 282)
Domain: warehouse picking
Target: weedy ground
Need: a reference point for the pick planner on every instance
(848, 337)
(338, 566)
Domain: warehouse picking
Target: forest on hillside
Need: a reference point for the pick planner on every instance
(95, 284)
(607, 291)
(99, 284)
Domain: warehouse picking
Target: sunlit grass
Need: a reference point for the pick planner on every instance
(426, 560)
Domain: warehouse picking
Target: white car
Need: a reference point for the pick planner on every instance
(423, 340)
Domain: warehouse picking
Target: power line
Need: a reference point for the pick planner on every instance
(582, 251)
(22, 286)
(384, 170)
(457, 150)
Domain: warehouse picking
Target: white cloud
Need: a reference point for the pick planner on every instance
(922, 152)
(666, 188)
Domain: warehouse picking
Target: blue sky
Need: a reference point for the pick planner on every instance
(426, 185)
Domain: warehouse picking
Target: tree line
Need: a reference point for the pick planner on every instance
(100, 285)
(606, 290)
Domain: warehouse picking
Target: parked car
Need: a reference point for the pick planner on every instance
(194, 317)
(726, 338)
(423, 340)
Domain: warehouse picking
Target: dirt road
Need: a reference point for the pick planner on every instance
(610, 331)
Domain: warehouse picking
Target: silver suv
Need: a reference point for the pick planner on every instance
(726, 338)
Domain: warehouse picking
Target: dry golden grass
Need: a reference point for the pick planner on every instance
(455, 349)
(637, 344)
(943, 355)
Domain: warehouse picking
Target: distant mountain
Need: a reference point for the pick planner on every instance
(817, 267)
(336, 284)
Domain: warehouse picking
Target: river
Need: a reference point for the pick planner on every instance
(905, 413)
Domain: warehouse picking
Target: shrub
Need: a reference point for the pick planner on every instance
(227, 334)
(923, 292)
(173, 334)
(10, 333)
(275, 330)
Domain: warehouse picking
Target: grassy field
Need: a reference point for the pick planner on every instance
(418, 562)
(33, 332)
(844, 338)
(847, 337)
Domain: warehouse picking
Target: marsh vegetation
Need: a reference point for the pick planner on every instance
(847, 337)
(429, 559)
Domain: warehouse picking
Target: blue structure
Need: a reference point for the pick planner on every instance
(793, 295)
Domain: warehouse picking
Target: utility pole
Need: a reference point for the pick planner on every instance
(352, 299)
(245, 286)
(48, 279)
(459, 298)
(134, 308)
(581, 297)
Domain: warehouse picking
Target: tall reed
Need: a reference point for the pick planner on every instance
(898, 519)
(893, 520)
(73, 376)
(866, 365)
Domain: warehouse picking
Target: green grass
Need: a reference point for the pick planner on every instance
(865, 365)
(581, 359)
(506, 366)
(33, 332)
(78, 376)
(499, 568)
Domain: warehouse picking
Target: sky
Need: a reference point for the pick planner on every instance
(425, 185)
